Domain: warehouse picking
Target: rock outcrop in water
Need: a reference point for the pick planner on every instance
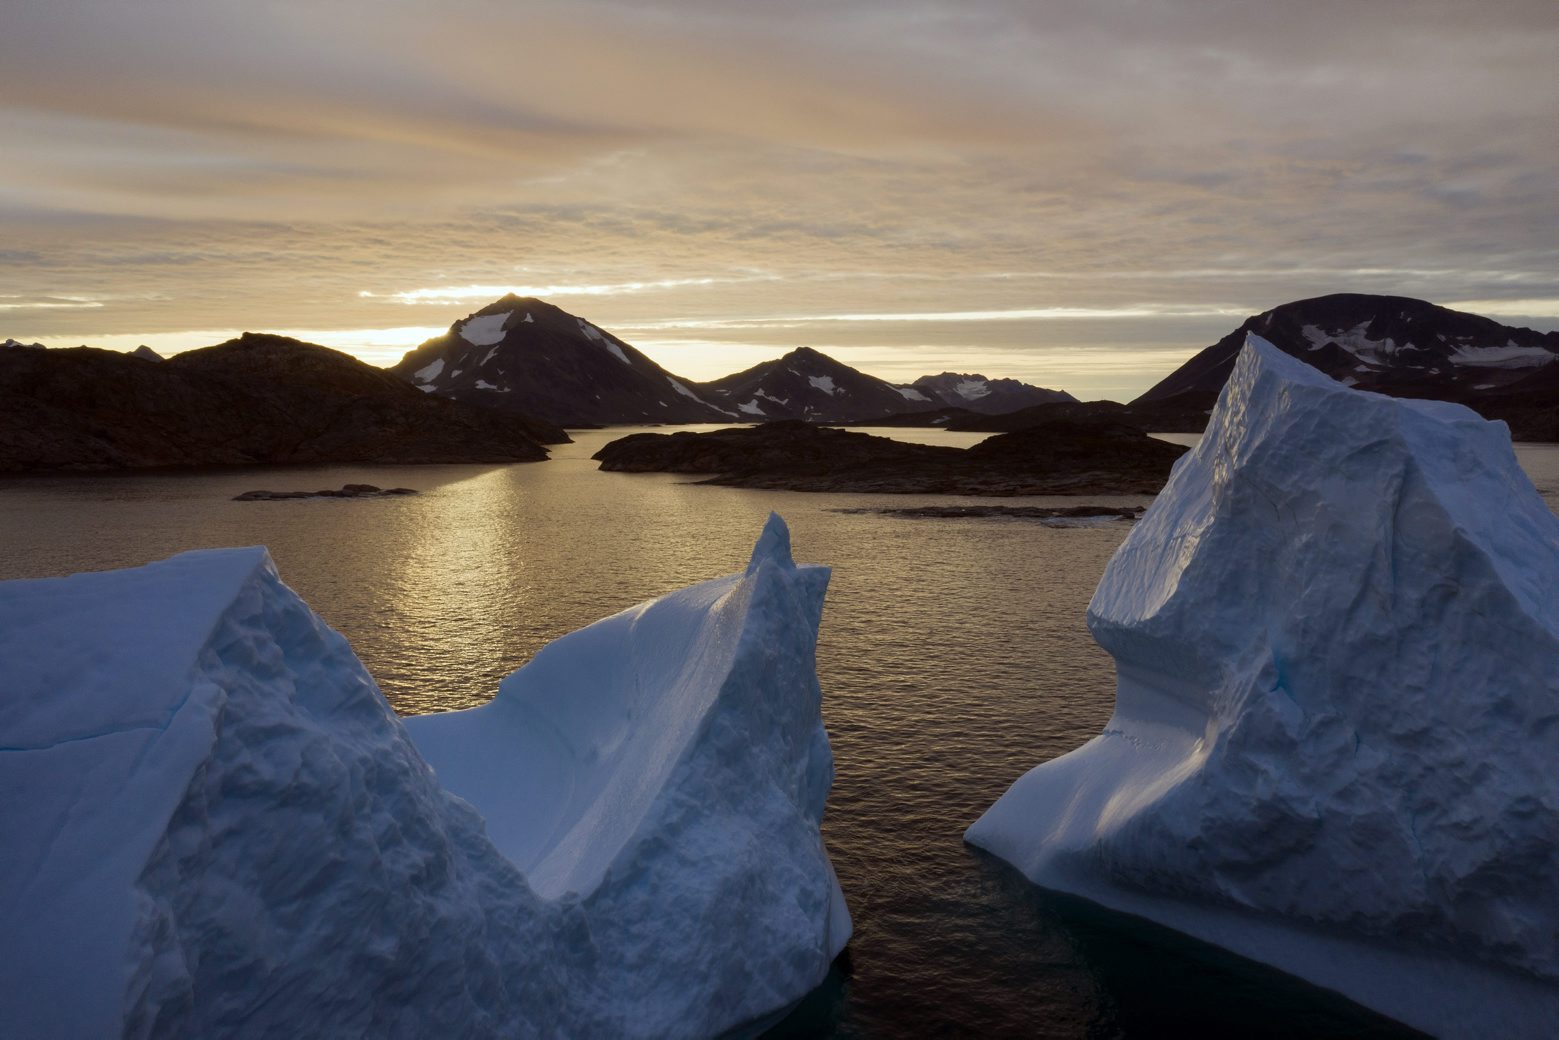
(1060, 458)
(1336, 635)
(345, 491)
(215, 825)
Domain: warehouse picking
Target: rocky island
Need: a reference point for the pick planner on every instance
(1063, 457)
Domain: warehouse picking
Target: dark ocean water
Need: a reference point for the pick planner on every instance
(953, 657)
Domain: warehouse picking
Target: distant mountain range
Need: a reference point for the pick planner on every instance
(526, 355)
(988, 396)
(505, 379)
(1398, 346)
(255, 399)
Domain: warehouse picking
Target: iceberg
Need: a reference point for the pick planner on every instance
(1336, 637)
(216, 825)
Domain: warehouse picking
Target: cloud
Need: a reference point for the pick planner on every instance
(191, 165)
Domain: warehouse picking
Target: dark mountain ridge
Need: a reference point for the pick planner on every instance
(255, 399)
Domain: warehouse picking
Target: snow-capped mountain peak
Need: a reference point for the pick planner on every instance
(992, 396)
(1390, 344)
(524, 354)
(808, 384)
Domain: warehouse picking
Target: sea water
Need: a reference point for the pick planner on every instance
(953, 656)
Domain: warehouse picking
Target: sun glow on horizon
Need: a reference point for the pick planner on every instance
(451, 294)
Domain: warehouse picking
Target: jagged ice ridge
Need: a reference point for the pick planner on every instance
(216, 824)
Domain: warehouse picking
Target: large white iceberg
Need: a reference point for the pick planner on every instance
(214, 824)
(1335, 745)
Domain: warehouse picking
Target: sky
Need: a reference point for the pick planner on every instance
(1079, 194)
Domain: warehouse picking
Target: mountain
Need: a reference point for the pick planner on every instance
(146, 353)
(20, 345)
(1392, 345)
(806, 384)
(521, 354)
(255, 399)
(990, 396)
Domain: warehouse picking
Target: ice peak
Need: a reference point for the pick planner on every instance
(1335, 633)
(773, 544)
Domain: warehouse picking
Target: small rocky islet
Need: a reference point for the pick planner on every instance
(345, 491)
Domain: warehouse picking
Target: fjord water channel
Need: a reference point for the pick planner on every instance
(953, 656)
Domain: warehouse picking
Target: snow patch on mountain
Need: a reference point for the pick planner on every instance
(596, 336)
(1355, 341)
(824, 383)
(972, 390)
(911, 394)
(429, 372)
(751, 407)
(1508, 356)
(485, 329)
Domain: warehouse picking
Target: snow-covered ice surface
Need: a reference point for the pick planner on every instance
(678, 745)
(1336, 635)
(484, 330)
(215, 824)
